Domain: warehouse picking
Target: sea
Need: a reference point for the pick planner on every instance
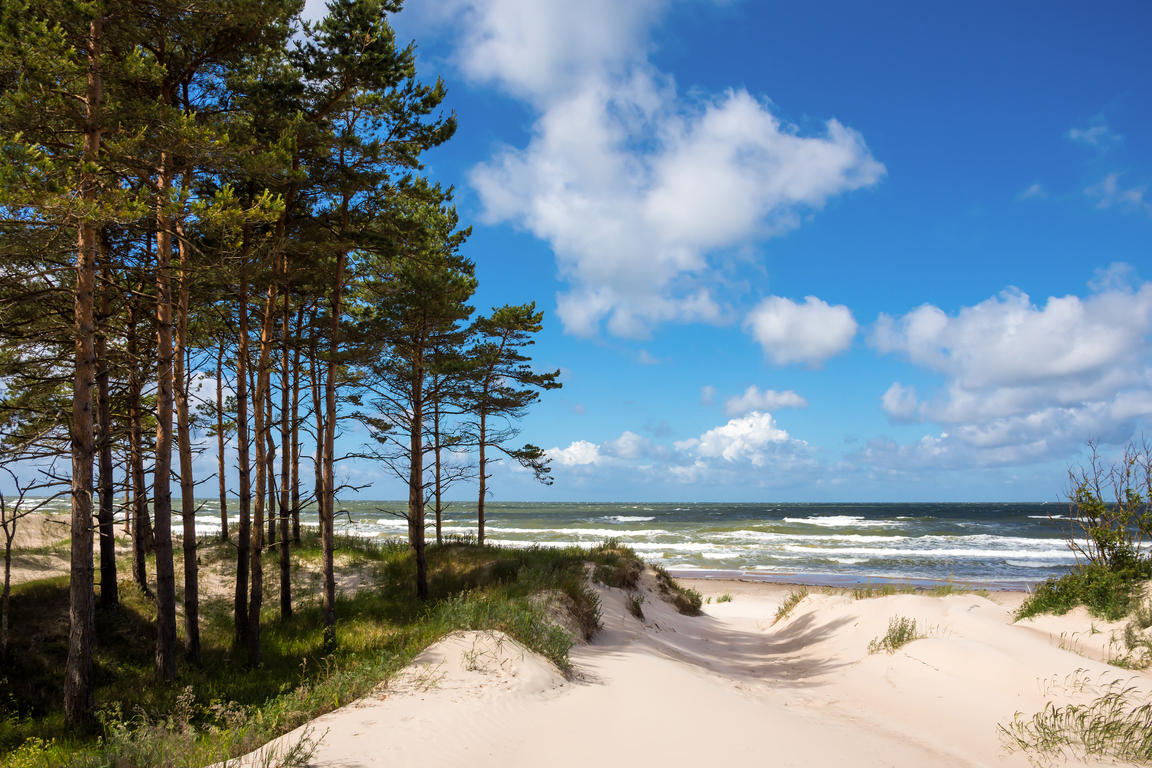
(1000, 546)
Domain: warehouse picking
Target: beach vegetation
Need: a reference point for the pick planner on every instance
(901, 631)
(1115, 725)
(724, 598)
(685, 600)
(794, 598)
(141, 721)
(635, 605)
(1108, 526)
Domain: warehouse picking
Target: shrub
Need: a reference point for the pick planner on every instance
(1107, 527)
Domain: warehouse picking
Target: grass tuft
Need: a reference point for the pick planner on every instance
(901, 631)
(1113, 725)
(685, 600)
(635, 604)
(790, 603)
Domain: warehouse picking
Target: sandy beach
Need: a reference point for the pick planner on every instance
(729, 686)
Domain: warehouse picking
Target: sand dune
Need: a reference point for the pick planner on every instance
(729, 686)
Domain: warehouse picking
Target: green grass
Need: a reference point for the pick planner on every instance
(635, 604)
(901, 631)
(1114, 725)
(790, 603)
(381, 628)
(724, 598)
(685, 599)
(1107, 593)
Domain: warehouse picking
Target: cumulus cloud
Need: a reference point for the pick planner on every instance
(633, 186)
(1109, 192)
(901, 405)
(752, 449)
(768, 400)
(1023, 382)
(1099, 136)
(1034, 191)
(807, 333)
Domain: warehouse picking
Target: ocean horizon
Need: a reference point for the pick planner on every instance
(1002, 545)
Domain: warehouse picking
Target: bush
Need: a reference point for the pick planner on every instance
(1108, 524)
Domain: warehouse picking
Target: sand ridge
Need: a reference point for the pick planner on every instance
(728, 685)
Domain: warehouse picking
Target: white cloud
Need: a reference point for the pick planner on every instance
(707, 394)
(579, 453)
(1024, 383)
(644, 358)
(807, 333)
(632, 186)
(1110, 193)
(1100, 136)
(751, 450)
(901, 405)
(1034, 191)
(768, 400)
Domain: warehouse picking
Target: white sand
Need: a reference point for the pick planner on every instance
(729, 688)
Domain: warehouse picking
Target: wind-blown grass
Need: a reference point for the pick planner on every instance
(1114, 725)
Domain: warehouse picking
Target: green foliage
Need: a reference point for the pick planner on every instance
(790, 603)
(725, 598)
(1114, 725)
(901, 631)
(635, 605)
(236, 708)
(685, 600)
(1105, 592)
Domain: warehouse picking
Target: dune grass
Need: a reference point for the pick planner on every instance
(901, 631)
(382, 626)
(1114, 725)
(790, 603)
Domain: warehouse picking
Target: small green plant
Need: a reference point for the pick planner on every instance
(684, 599)
(790, 603)
(725, 598)
(1114, 725)
(635, 605)
(1107, 537)
(901, 631)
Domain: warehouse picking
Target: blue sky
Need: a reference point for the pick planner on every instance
(820, 251)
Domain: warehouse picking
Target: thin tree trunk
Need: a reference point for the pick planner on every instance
(140, 545)
(244, 529)
(285, 462)
(321, 429)
(296, 427)
(184, 441)
(79, 696)
(416, 476)
(436, 452)
(220, 441)
(7, 587)
(162, 483)
(260, 425)
(327, 523)
(270, 473)
(109, 590)
(483, 477)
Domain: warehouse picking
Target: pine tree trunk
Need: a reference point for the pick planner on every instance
(109, 589)
(136, 451)
(261, 438)
(220, 441)
(436, 454)
(285, 462)
(296, 427)
(79, 696)
(327, 523)
(184, 441)
(416, 476)
(483, 478)
(270, 473)
(244, 524)
(162, 483)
